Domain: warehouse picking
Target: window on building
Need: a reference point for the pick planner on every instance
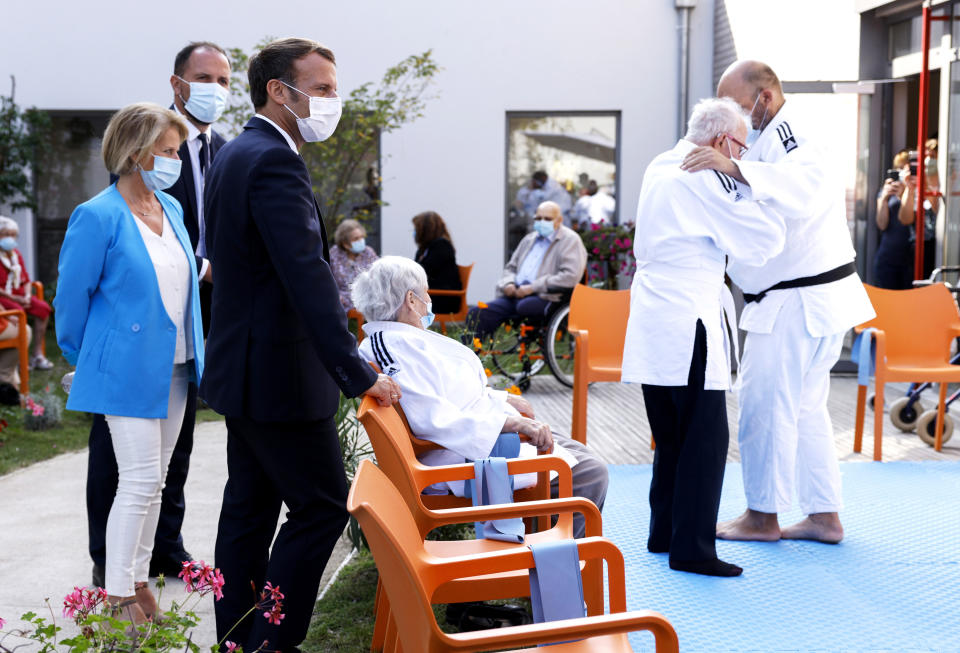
(568, 157)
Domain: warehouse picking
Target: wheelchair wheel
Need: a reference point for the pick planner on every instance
(903, 417)
(558, 346)
(513, 361)
(927, 427)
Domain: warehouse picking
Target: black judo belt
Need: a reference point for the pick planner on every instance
(835, 274)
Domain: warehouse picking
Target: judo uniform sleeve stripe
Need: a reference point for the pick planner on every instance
(724, 180)
(376, 350)
(383, 348)
(786, 137)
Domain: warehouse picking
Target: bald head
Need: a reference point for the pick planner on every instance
(551, 210)
(755, 87)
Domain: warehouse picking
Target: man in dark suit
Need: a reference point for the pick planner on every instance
(200, 81)
(279, 351)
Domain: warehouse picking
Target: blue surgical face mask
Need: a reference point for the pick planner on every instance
(543, 227)
(207, 100)
(426, 320)
(754, 134)
(8, 243)
(358, 246)
(165, 173)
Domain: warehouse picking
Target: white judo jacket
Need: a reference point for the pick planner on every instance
(445, 396)
(786, 171)
(687, 223)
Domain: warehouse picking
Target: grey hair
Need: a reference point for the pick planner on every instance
(8, 224)
(712, 116)
(342, 235)
(379, 292)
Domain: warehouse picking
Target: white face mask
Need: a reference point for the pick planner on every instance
(324, 115)
(207, 100)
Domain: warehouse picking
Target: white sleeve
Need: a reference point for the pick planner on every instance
(792, 184)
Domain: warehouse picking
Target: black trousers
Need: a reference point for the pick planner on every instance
(294, 463)
(689, 425)
(102, 486)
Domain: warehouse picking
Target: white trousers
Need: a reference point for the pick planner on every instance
(786, 437)
(143, 448)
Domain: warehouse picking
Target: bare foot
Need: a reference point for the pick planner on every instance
(819, 527)
(751, 526)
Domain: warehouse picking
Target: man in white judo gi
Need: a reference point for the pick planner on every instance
(676, 342)
(799, 305)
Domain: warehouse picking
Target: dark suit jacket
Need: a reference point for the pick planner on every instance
(279, 348)
(439, 261)
(186, 193)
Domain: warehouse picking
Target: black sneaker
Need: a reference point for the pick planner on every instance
(98, 580)
(170, 565)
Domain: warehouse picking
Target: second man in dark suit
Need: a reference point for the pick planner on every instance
(201, 82)
(279, 351)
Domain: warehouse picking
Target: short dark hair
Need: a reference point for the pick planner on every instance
(180, 61)
(275, 61)
(540, 176)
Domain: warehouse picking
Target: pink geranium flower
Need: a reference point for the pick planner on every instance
(274, 616)
(2, 622)
(231, 646)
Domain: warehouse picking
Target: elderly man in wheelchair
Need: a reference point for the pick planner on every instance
(446, 398)
(534, 293)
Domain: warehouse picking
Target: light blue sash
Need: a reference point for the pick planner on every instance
(492, 484)
(556, 590)
(864, 353)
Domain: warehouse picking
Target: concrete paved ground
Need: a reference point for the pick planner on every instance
(43, 540)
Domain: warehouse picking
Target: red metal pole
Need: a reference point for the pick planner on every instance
(918, 216)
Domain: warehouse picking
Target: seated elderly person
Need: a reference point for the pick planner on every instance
(349, 257)
(446, 398)
(547, 261)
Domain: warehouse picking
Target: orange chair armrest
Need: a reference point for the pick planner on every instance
(558, 631)
(447, 293)
(591, 514)
(954, 331)
(428, 445)
(428, 475)
(520, 558)
(880, 337)
(13, 312)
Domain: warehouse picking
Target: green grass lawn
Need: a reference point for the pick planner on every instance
(20, 447)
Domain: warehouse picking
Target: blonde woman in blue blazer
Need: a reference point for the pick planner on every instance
(128, 317)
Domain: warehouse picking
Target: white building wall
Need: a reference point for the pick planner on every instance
(497, 56)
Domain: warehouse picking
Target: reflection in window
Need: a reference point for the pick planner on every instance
(568, 158)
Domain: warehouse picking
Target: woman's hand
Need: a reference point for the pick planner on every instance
(539, 432)
(522, 405)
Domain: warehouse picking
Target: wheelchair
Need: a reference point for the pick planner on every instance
(525, 345)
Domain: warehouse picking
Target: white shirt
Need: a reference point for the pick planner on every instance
(172, 267)
(286, 136)
(786, 171)
(445, 396)
(686, 224)
(193, 147)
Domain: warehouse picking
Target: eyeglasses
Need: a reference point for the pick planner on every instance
(743, 146)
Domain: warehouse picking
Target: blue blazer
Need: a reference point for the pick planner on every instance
(111, 322)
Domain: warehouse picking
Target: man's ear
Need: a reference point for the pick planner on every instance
(275, 91)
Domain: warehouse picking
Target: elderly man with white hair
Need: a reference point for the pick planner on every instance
(445, 397)
(676, 343)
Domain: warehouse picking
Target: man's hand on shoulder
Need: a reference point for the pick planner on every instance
(707, 158)
(385, 390)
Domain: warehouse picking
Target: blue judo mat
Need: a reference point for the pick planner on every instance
(893, 584)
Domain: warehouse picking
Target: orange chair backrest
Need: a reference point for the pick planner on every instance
(398, 549)
(603, 313)
(917, 322)
(391, 445)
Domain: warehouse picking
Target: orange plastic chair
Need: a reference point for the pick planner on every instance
(914, 331)
(38, 293)
(598, 322)
(461, 314)
(21, 344)
(354, 314)
(395, 454)
(412, 575)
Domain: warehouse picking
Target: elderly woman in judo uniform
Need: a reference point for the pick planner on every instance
(446, 398)
(676, 342)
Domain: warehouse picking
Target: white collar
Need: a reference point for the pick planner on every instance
(283, 132)
(192, 131)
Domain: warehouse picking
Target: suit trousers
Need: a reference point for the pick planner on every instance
(486, 320)
(102, 486)
(689, 425)
(298, 464)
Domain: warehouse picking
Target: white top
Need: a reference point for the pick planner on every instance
(445, 396)
(786, 171)
(193, 147)
(687, 223)
(286, 136)
(173, 278)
